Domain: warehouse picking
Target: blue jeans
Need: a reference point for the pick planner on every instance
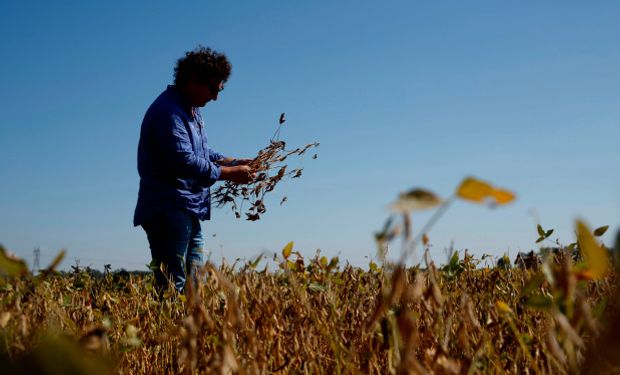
(176, 241)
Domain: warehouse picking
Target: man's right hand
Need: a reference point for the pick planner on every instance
(241, 174)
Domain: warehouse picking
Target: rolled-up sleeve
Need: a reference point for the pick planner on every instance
(177, 145)
(214, 155)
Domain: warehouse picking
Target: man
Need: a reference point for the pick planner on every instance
(177, 167)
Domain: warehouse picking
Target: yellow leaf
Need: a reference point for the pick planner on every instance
(596, 257)
(502, 196)
(288, 249)
(323, 261)
(503, 306)
(585, 275)
(474, 190)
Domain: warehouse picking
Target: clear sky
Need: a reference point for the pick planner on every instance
(401, 94)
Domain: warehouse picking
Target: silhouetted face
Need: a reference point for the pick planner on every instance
(199, 94)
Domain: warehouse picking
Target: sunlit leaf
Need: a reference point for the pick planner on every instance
(502, 196)
(474, 190)
(479, 191)
(601, 230)
(585, 274)
(596, 257)
(288, 249)
(323, 261)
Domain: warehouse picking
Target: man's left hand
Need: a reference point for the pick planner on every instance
(243, 161)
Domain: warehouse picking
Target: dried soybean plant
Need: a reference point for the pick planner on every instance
(270, 168)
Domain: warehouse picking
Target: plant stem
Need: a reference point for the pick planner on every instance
(410, 248)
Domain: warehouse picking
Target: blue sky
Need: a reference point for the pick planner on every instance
(400, 94)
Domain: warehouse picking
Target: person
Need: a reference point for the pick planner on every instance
(177, 167)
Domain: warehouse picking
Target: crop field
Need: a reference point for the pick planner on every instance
(552, 312)
(315, 316)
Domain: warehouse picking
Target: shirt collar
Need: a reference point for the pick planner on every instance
(190, 111)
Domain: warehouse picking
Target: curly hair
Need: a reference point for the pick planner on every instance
(203, 64)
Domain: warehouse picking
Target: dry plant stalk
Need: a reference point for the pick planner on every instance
(314, 316)
(317, 316)
(270, 168)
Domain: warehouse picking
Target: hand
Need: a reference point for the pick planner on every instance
(241, 174)
(232, 162)
(243, 161)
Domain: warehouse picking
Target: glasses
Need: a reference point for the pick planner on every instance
(215, 87)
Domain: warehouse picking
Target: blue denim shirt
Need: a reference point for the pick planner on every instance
(174, 161)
